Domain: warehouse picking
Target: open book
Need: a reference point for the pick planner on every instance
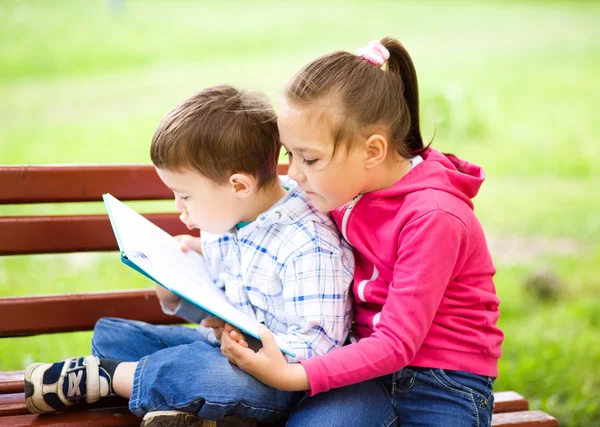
(153, 252)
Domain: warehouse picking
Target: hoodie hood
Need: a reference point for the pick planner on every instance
(443, 172)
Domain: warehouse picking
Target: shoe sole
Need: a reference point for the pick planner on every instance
(32, 377)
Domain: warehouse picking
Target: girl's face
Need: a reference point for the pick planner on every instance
(329, 180)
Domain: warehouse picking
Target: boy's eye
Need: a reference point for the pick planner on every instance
(184, 198)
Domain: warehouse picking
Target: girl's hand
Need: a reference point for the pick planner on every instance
(268, 365)
(187, 242)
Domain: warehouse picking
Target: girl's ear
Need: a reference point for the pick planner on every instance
(376, 147)
(242, 184)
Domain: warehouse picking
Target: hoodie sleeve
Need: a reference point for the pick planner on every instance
(430, 249)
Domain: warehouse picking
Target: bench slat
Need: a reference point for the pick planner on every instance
(61, 234)
(32, 315)
(509, 401)
(83, 183)
(11, 382)
(524, 419)
(115, 417)
(123, 418)
(79, 183)
(12, 404)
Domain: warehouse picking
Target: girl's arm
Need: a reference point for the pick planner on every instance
(431, 250)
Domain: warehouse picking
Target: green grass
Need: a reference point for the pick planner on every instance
(513, 86)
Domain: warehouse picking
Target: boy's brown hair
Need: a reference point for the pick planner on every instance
(217, 132)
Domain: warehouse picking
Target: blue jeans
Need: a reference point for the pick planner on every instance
(410, 397)
(179, 369)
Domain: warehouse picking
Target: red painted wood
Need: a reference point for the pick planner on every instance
(11, 382)
(82, 183)
(79, 183)
(32, 315)
(60, 234)
(524, 419)
(509, 401)
(12, 404)
(115, 417)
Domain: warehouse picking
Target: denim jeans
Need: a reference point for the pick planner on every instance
(179, 369)
(410, 397)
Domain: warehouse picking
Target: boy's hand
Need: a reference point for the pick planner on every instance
(216, 324)
(219, 326)
(187, 242)
(168, 298)
(268, 365)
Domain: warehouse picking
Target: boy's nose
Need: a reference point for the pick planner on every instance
(184, 217)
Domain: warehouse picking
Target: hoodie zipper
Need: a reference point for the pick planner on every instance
(346, 216)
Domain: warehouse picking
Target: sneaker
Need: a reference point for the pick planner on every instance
(186, 419)
(175, 419)
(50, 386)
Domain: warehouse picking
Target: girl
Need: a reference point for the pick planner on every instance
(427, 344)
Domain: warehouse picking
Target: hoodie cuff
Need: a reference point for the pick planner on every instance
(317, 375)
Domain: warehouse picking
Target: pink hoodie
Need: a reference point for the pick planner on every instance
(423, 288)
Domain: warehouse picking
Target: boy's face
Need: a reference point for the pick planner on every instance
(203, 203)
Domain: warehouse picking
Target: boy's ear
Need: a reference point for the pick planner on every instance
(376, 147)
(242, 185)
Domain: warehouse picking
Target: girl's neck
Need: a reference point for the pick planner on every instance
(388, 173)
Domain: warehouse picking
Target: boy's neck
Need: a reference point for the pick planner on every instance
(263, 200)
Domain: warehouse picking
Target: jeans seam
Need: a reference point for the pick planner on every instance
(411, 384)
(136, 384)
(394, 418)
(470, 394)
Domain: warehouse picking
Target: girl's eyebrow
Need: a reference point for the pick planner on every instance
(304, 150)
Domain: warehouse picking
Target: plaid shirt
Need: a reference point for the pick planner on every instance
(289, 269)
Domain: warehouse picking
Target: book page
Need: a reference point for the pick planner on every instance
(159, 255)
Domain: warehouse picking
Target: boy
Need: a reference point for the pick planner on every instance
(277, 258)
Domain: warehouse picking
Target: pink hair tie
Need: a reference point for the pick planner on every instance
(375, 53)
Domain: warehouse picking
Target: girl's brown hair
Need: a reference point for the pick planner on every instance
(369, 97)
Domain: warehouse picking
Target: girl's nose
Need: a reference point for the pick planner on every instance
(294, 172)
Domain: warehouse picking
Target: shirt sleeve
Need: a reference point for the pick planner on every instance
(429, 250)
(186, 310)
(317, 304)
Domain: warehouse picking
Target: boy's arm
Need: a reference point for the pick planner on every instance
(173, 304)
(317, 305)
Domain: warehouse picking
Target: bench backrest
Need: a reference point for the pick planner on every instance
(20, 235)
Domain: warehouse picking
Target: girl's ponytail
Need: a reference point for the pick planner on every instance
(400, 63)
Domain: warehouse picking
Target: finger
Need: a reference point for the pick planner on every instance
(213, 322)
(233, 350)
(268, 340)
(243, 343)
(236, 335)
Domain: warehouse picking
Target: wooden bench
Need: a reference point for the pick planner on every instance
(46, 314)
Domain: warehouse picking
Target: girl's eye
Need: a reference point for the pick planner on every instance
(310, 162)
(287, 153)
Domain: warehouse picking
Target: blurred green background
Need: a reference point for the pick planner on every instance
(512, 86)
